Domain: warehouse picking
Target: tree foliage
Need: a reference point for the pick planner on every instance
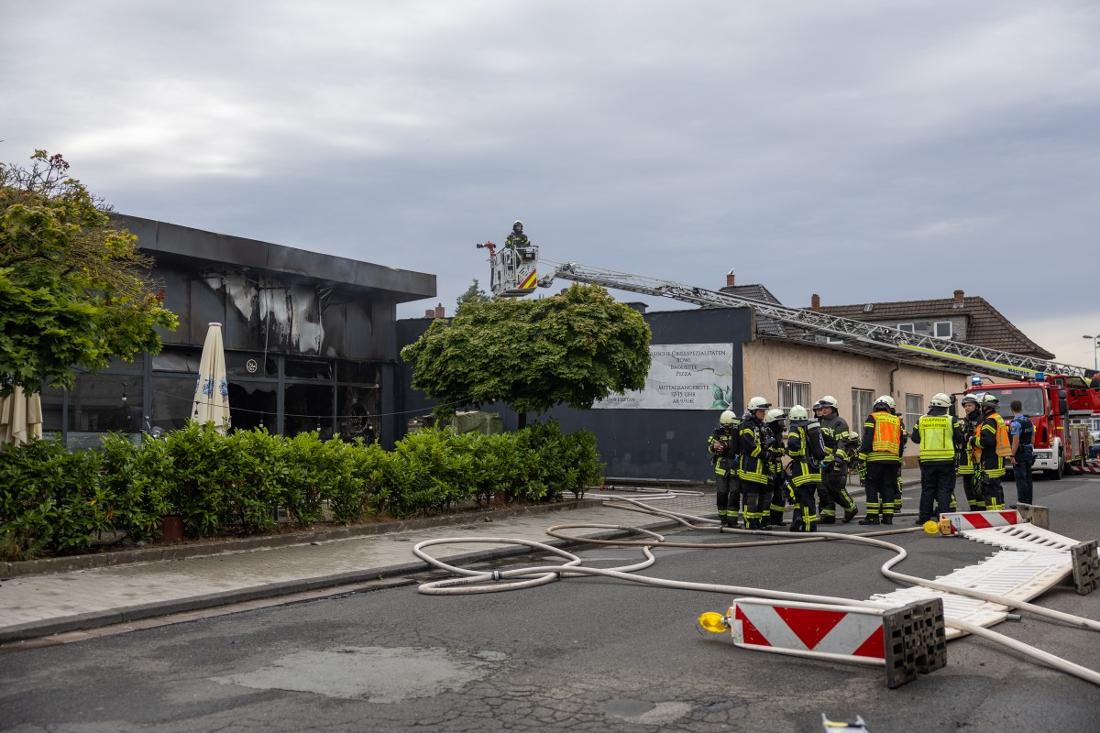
(573, 348)
(73, 287)
(473, 294)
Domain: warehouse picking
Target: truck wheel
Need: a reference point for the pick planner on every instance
(1058, 474)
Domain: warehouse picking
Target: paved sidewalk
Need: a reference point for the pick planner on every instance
(39, 605)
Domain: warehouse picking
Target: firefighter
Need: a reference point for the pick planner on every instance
(806, 447)
(881, 447)
(722, 447)
(517, 238)
(969, 423)
(839, 444)
(778, 426)
(939, 436)
(992, 447)
(754, 442)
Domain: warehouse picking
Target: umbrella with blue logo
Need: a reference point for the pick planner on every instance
(211, 404)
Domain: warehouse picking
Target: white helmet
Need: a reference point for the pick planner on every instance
(758, 403)
(940, 400)
(990, 399)
(798, 412)
(727, 418)
(829, 401)
(973, 398)
(773, 414)
(885, 400)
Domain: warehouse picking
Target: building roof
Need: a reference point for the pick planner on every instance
(986, 325)
(756, 291)
(159, 238)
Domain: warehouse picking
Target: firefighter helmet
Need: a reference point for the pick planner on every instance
(517, 225)
(940, 400)
(727, 418)
(773, 414)
(990, 399)
(798, 412)
(829, 401)
(969, 398)
(758, 403)
(886, 400)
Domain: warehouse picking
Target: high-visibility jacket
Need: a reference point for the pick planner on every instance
(883, 437)
(722, 446)
(992, 445)
(753, 440)
(936, 435)
(806, 447)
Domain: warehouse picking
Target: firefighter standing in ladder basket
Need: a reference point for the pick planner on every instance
(517, 239)
(722, 447)
(992, 447)
(882, 445)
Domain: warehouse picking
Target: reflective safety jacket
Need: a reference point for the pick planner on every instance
(883, 437)
(840, 442)
(754, 439)
(938, 436)
(992, 446)
(806, 447)
(517, 241)
(775, 452)
(722, 446)
(969, 425)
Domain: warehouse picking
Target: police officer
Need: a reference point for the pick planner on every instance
(839, 444)
(517, 238)
(722, 446)
(776, 422)
(969, 423)
(992, 447)
(939, 436)
(755, 440)
(882, 445)
(1022, 434)
(806, 447)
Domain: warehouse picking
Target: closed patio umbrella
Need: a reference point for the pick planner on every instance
(211, 404)
(20, 417)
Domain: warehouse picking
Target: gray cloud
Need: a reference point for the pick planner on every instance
(859, 150)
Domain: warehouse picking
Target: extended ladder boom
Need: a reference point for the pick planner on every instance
(804, 324)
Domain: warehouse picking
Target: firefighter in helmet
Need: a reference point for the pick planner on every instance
(806, 447)
(992, 447)
(722, 446)
(517, 238)
(777, 424)
(882, 445)
(939, 437)
(969, 424)
(840, 443)
(755, 440)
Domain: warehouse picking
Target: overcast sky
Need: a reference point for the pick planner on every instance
(859, 149)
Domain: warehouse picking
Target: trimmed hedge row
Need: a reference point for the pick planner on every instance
(59, 501)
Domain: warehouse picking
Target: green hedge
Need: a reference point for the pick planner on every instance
(53, 500)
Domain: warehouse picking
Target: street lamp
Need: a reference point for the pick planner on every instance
(1095, 343)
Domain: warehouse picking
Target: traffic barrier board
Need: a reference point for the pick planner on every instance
(981, 520)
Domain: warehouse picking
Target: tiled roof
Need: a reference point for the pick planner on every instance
(986, 325)
(756, 291)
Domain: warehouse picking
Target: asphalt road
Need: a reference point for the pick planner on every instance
(577, 655)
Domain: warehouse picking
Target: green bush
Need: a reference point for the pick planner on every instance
(57, 501)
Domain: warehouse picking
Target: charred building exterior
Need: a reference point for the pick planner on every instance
(310, 341)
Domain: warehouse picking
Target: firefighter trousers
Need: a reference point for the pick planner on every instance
(779, 500)
(882, 488)
(937, 484)
(754, 499)
(973, 490)
(729, 498)
(833, 491)
(993, 493)
(805, 509)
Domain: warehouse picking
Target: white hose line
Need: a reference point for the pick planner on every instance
(1058, 663)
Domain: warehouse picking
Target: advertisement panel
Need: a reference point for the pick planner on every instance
(681, 377)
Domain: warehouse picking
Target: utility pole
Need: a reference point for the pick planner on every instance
(1095, 343)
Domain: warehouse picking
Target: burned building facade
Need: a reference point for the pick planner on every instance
(310, 341)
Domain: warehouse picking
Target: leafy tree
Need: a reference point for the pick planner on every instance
(73, 291)
(573, 348)
(473, 294)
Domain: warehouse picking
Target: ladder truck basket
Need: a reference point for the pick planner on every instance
(513, 272)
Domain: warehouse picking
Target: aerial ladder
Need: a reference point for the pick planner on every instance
(515, 272)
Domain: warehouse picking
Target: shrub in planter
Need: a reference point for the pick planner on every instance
(196, 488)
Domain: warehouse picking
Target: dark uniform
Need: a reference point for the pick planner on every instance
(806, 448)
(517, 238)
(839, 444)
(881, 448)
(775, 475)
(755, 439)
(722, 446)
(965, 456)
(991, 463)
(939, 437)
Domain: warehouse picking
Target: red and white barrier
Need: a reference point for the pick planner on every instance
(962, 521)
(1087, 468)
(842, 633)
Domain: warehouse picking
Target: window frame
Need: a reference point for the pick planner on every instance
(794, 387)
(910, 416)
(936, 329)
(908, 328)
(859, 412)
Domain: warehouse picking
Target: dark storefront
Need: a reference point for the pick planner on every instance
(310, 341)
(637, 443)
